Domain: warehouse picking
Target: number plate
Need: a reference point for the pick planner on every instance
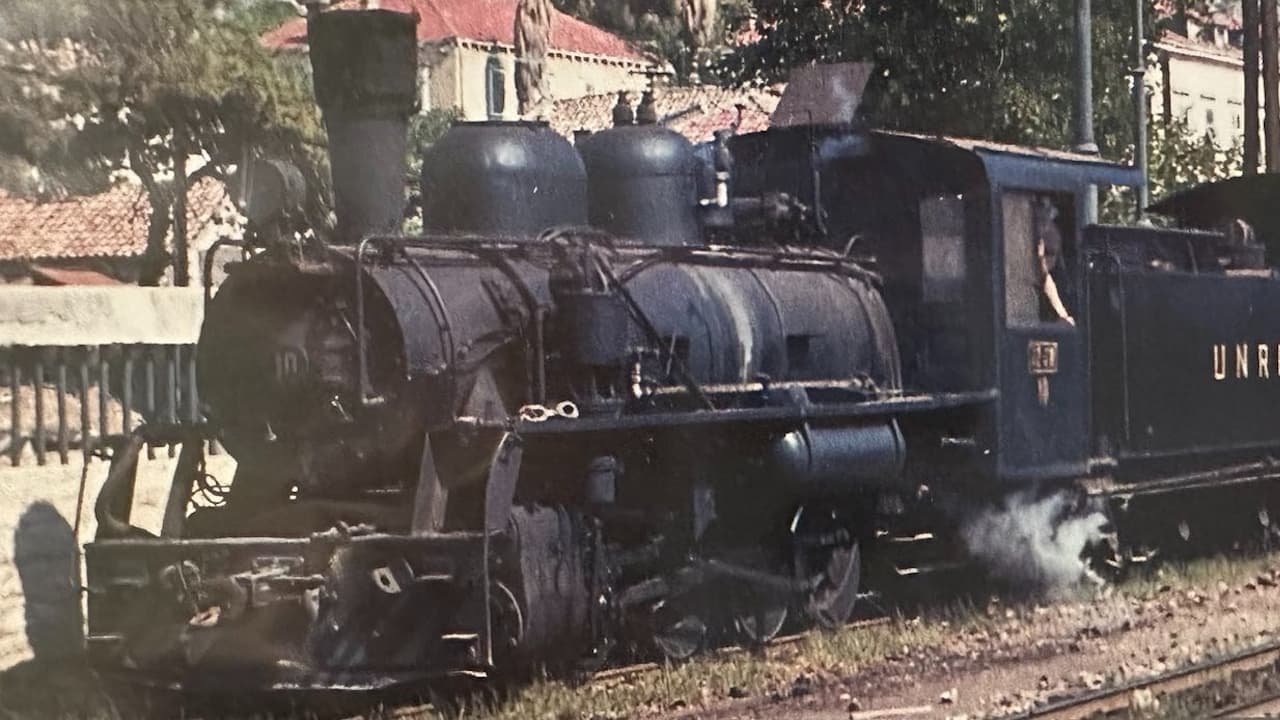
(1042, 357)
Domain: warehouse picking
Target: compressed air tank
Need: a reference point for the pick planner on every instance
(502, 179)
(642, 184)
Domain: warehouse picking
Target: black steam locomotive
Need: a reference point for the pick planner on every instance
(633, 393)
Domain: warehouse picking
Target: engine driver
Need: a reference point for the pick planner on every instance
(1048, 253)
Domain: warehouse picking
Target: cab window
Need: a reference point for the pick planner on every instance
(1038, 255)
(943, 252)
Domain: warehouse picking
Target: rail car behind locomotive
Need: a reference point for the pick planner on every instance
(626, 396)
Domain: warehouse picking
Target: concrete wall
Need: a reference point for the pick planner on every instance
(99, 315)
(40, 569)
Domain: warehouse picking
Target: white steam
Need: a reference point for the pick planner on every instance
(1035, 542)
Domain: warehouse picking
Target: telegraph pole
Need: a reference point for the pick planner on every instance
(1084, 141)
(1249, 19)
(1140, 107)
(1271, 84)
(181, 246)
(1083, 115)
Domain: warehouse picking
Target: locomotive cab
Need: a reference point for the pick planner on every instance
(1042, 422)
(912, 210)
(981, 251)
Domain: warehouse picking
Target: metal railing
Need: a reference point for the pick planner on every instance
(66, 400)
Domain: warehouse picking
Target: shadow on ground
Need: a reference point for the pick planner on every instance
(56, 683)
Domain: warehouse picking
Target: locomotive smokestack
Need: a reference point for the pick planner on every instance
(365, 66)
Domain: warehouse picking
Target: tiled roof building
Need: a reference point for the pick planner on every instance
(73, 239)
(467, 56)
(481, 21)
(1199, 75)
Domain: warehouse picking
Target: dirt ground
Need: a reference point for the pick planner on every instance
(1032, 655)
(43, 523)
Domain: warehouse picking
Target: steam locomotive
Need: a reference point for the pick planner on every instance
(634, 394)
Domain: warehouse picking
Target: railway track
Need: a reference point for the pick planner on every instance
(1113, 700)
(625, 672)
(1267, 707)
(628, 671)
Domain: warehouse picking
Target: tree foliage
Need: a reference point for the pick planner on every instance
(90, 88)
(1000, 69)
(1180, 158)
(1177, 158)
(685, 33)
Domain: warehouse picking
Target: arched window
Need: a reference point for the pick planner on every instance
(495, 88)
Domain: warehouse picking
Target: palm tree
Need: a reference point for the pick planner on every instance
(700, 18)
(532, 40)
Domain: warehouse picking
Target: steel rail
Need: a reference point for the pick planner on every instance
(1111, 700)
(1267, 706)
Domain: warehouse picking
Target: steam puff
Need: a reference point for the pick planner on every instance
(1035, 542)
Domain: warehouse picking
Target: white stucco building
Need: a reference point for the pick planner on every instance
(467, 58)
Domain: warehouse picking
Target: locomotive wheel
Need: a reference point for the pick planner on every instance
(826, 553)
(677, 634)
(508, 624)
(757, 618)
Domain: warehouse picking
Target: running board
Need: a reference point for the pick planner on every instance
(1223, 477)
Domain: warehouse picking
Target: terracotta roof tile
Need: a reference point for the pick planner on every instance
(694, 111)
(490, 21)
(111, 224)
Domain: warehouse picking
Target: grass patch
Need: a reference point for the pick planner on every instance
(818, 658)
(1199, 573)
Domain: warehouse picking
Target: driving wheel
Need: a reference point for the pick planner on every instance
(827, 556)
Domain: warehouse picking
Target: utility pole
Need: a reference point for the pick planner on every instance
(1249, 18)
(1271, 84)
(1083, 116)
(181, 248)
(1084, 141)
(1140, 107)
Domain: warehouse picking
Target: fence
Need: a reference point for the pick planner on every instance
(71, 397)
(78, 364)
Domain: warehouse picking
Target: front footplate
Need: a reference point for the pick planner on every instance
(333, 611)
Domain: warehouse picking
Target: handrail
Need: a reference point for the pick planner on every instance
(120, 479)
(207, 276)
(362, 361)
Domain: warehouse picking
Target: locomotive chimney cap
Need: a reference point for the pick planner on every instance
(364, 61)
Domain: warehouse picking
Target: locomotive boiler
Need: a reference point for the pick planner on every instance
(624, 397)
